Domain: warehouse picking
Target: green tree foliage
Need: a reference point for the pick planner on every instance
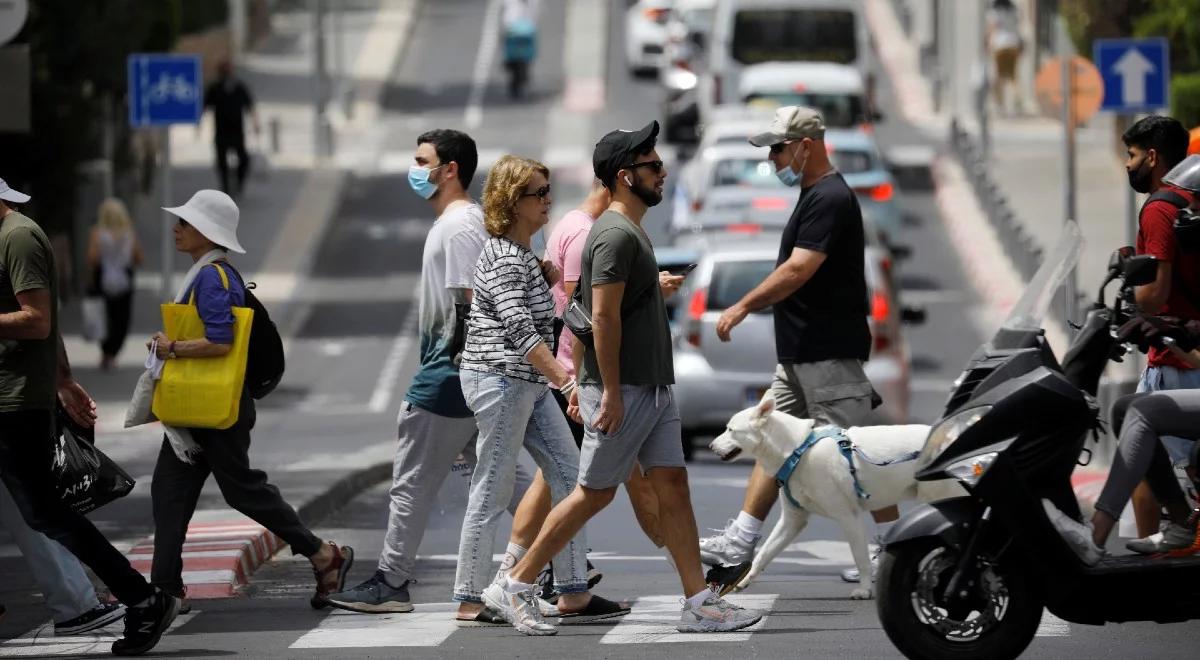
(78, 53)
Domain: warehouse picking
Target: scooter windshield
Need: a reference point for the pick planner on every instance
(1030, 311)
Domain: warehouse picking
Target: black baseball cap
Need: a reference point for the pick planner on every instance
(618, 148)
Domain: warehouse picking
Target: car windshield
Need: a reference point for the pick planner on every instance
(839, 110)
(1030, 311)
(793, 35)
(731, 280)
(761, 173)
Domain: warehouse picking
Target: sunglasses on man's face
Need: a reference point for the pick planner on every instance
(541, 193)
(777, 148)
(656, 165)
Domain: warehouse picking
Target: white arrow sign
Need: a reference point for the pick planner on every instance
(1133, 67)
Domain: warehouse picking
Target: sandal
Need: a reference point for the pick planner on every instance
(598, 608)
(332, 578)
(486, 617)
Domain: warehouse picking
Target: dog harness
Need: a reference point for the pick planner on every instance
(847, 449)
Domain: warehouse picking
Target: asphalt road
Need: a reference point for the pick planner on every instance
(372, 249)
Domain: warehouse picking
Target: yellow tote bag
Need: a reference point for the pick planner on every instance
(204, 393)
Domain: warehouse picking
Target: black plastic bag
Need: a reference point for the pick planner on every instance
(85, 478)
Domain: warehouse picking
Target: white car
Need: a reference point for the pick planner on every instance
(837, 90)
(646, 35)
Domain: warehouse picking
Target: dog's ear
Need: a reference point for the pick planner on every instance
(765, 408)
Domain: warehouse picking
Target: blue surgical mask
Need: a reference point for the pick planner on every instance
(418, 178)
(787, 176)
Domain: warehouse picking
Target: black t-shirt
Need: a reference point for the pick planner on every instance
(826, 319)
(230, 100)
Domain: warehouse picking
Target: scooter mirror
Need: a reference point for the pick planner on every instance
(1116, 262)
(1140, 270)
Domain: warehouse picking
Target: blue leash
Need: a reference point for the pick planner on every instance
(847, 449)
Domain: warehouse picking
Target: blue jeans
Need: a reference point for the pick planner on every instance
(1156, 379)
(67, 589)
(511, 412)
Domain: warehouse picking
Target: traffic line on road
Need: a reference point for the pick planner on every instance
(473, 115)
(654, 618)
(41, 642)
(429, 625)
(1052, 626)
(381, 398)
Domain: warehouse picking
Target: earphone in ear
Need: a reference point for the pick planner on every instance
(628, 181)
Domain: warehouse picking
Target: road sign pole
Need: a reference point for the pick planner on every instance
(168, 237)
(1066, 53)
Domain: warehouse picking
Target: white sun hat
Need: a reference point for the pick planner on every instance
(9, 195)
(214, 215)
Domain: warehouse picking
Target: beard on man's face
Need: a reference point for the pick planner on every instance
(648, 195)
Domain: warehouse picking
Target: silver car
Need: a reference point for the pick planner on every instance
(715, 379)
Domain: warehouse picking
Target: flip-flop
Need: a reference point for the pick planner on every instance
(485, 617)
(597, 609)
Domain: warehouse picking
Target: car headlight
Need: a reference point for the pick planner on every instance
(969, 470)
(944, 434)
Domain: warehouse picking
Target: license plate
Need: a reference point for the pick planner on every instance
(754, 395)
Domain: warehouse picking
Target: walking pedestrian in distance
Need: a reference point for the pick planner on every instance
(34, 372)
(230, 100)
(625, 396)
(113, 254)
(1003, 40)
(207, 231)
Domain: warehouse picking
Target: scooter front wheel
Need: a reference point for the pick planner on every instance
(993, 616)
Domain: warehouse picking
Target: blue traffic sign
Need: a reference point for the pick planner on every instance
(1136, 73)
(164, 89)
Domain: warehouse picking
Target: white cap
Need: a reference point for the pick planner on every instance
(214, 215)
(9, 195)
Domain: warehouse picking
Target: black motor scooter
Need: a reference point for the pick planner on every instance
(969, 577)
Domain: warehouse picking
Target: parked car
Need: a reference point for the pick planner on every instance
(734, 162)
(715, 379)
(837, 90)
(748, 32)
(646, 35)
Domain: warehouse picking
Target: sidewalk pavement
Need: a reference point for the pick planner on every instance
(1026, 164)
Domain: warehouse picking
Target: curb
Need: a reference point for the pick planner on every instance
(219, 557)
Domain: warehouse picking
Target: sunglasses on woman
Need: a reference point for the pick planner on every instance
(541, 193)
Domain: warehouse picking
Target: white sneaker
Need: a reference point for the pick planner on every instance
(851, 574)
(1170, 537)
(726, 548)
(519, 609)
(547, 608)
(1076, 534)
(716, 615)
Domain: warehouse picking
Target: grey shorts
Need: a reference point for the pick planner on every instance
(650, 434)
(830, 391)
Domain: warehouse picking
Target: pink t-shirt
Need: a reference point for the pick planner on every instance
(565, 250)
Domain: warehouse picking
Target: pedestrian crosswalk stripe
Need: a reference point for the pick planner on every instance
(41, 642)
(654, 618)
(429, 625)
(1052, 626)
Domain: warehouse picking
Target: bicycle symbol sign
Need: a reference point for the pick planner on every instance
(164, 89)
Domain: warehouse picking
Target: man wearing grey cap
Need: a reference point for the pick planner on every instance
(818, 292)
(34, 376)
(624, 396)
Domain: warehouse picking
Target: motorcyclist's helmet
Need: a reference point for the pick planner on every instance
(1186, 175)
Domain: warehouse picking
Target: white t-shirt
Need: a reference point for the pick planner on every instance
(452, 249)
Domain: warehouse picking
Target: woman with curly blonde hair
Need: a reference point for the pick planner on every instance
(507, 361)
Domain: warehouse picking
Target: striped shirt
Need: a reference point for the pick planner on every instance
(511, 313)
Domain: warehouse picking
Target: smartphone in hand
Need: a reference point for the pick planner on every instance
(682, 270)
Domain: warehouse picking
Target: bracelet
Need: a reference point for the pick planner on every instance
(171, 350)
(566, 388)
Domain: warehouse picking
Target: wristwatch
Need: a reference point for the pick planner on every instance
(171, 350)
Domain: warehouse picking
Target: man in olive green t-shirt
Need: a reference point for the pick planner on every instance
(34, 372)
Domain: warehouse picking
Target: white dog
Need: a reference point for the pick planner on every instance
(821, 482)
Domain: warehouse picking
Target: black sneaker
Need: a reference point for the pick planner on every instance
(545, 580)
(103, 614)
(144, 626)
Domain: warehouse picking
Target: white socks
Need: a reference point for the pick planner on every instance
(698, 599)
(748, 528)
(512, 555)
(511, 586)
